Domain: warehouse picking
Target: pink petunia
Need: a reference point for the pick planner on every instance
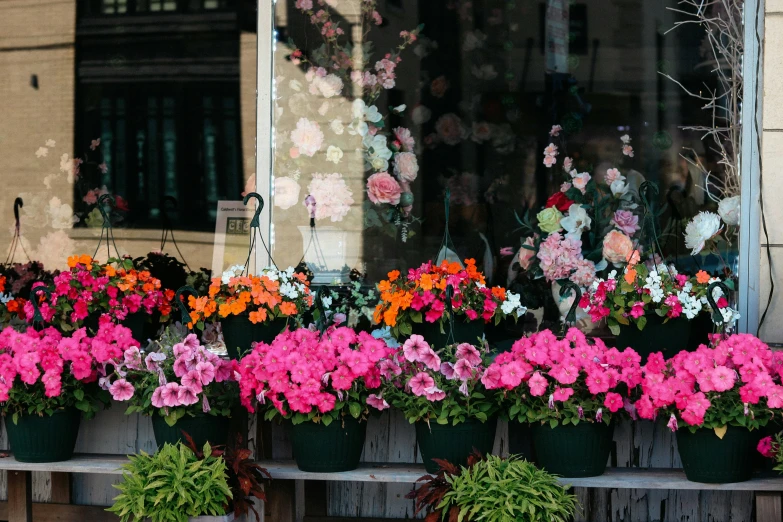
(613, 401)
(169, 395)
(121, 390)
(414, 348)
(538, 384)
(562, 394)
(377, 402)
(420, 382)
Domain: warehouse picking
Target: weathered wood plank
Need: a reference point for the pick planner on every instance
(769, 507)
(61, 488)
(20, 498)
(99, 464)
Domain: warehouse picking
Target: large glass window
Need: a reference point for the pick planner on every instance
(384, 106)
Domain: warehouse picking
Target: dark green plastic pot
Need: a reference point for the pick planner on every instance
(239, 333)
(670, 337)
(520, 440)
(454, 443)
(328, 449)
(44, 439)
(464, 332)
(573, 451)
(201, 428)
(709, 459)
(137, 324)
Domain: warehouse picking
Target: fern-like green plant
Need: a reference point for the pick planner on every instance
(172, 485)
(506, 490)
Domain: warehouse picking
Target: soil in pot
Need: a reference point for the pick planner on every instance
(49, 438)
(669, 337)
(708, 458)
(239, 333)
(327, 449)
(201, 428)
(569, 450)
(464, 332)
(454, 443)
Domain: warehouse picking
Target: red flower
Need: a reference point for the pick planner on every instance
(559, 201)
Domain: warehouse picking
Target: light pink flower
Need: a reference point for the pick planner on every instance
(613, 175)
(377, 402)
(626, 222)
(415, 347)
(420, 383)
(449, 129)
(431, 360)
(333, 198)
(468, 352)
(406, 166)
(157, 398)
(186, 396)
(403, 135)
(307, 137)
(121, 390)
(383, 188)
(617, 247)
(170, 395)
(580, 181)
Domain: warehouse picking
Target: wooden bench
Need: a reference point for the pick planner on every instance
(768, 490)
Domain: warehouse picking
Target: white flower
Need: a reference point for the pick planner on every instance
(619, 188)
(729, 210)
(50, 143)
(307, 137)
(512, 305)
(473, 40)
(482, 131)
(361, 111)
(326, 301)
(286, 192)
(41, 152)
(295, 85)
(378, 153)
(703, 227)
(580, 181)
(61, 214)
(421, 114)
(334, 154)
(328, 86)
(576, 221)
(625, 139)
(484, 72)
(337, 126)
(406, 166)
(231, 272)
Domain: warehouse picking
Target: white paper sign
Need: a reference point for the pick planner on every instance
(232, 236)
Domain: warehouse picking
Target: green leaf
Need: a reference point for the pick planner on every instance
(356, 409)
(641, 322)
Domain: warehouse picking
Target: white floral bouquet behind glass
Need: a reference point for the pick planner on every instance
(332, 129)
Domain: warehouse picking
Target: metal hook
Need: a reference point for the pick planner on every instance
(37, 316)
(112, 202)
(18, 203)
(568, 286)
(717, 317)
(256, 221)
(183, 310)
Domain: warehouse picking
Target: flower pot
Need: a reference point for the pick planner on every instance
(213, 518)
(454, 443)
(520, 440)
(464, 332)
(239, 333)
(201, 428)
(569, 450)
(49, 438)
(701, 327)
(670, 337)
(137, 324)
(326, 449)
(710, 459)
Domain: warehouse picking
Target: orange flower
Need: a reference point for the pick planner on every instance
(425, 282)
(499, 293)
(393, 275)
(702, 277)
(13, 306)
(630, 276)
(633, 257)
(259, 316)
(224, 310)
(288, 308)
(110, 270)
(390, 317)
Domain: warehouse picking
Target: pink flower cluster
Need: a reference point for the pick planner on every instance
(560, 257)
(572, 368)
(302, 371)
(550, 154)
(737, 373)
(45, 356)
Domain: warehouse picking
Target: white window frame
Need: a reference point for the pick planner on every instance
(750, 167)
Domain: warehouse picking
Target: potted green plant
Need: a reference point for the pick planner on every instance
(322, 383)
(443, 303)
(252, 308)
(570, 391)
(493, 489)
(351, 304)
(650, 308)
(174, 485)
(442, 393)
(49, 381)
(180, 384)
(716, 399)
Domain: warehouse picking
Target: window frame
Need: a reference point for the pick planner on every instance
(749, 240)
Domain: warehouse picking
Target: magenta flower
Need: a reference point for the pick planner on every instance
(121, 390)
(562, 394)
(468, 352)
(377, 402)
(538, 384)
(613, 401)
(414, 348)
(420, 382)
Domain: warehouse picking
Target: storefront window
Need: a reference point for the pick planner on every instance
(382, 107)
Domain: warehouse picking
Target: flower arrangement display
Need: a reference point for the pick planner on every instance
(444, 386)
(352, 305)
(632, 296)
(564, 381)
(44, 371)
(442, 393)
(421, 297)
(172, 378)
(589, 224)
(714, 398)
(306, 376)
(92, 289)
(736, 382)
(16, 282)
(272, 294)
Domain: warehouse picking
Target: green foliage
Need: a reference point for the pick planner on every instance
(172, 485)
(501, 490)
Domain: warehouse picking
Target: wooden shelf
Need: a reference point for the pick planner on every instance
(83, 463)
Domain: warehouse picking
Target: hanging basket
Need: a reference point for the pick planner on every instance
(464, 332)
(580, 450)
(454, 443)
(670, 337)
(712, 460)
(328, 449)
(137, 324)
(201, 428)
(50, 438)
(520, 440)
(239, 333)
